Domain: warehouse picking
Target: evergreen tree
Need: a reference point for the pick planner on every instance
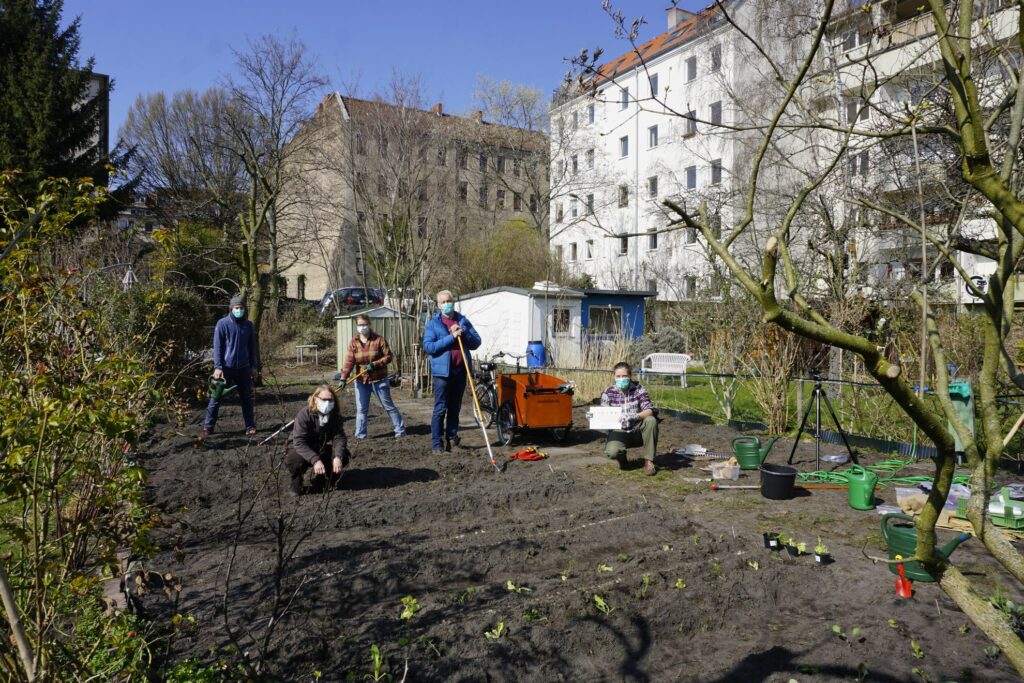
(48, 118)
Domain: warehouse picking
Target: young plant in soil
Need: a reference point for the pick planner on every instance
(821, 553)
(602, 606)
(602, 567)
(772, 540)
(495, 632)
(410, 606)
(645, 584)
(848, 638)
(680, 584)
(512, 588)
(916, 649)
(377, 663)
(535, 614)
(567, 572)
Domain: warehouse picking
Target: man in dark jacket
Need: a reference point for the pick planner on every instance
(449, 368)
(234, 361)
(318, 441)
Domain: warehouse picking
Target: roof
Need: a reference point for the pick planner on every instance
(647, 293)
(374, 312)
(563, 293)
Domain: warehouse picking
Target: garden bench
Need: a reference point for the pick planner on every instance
(299, 348)
(667, 364)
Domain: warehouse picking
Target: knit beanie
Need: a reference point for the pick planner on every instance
(237, 300)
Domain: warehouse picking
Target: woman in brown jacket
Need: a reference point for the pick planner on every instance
(368, 355)
(318, 441)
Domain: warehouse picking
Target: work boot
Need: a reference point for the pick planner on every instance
(454, 441)
(621, 459)
(649, 469)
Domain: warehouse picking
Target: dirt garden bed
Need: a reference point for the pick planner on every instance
(504, 568)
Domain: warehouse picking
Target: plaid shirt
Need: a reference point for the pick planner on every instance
(633, 400)
(375, 351)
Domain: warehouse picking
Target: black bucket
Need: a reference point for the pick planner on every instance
(777, 481)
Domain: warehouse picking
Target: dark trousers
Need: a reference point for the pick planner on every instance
(241, 378)
(447, 404)
(297, 466)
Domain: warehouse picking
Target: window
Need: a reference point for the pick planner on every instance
(560, 322)
(691, 122)
(652, 239)
(572, 253)
(483, 195)
(858, 163)
(623, 196)
(691, 68)
(856, 111)
(360, 144)
(690, 287)
(716, 57)
(652, 187)
(716, 113)
(623, 245)
(442, 157)
(515, 166)
(517, 201)
(421, 193)
(654, 85)
(500, 163)
(561, 169)
(588, 250)
(464, 191)
(575, 120)
(300, 284)
(854, 38)
(558, 253)
(463, 158)
(691, 177)
(590, 205)
(689, 236)
(606, 319)
(624, 102)
(573, 209)
(652, 136)
(624, 146)
(482, 162)
(500, 198)
(574, 163)
(533, 202)
(383, 145)
(590, 113)
(382, 184)
(422, 153)
(716, 172)
(559, 214)
(589, 156)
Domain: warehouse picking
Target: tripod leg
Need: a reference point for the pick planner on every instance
(799, 433)
(839, 428)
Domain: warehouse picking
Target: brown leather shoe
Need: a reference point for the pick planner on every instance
(649, 469)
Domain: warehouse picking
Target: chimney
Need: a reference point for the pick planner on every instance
(437, 109)
(677, 15)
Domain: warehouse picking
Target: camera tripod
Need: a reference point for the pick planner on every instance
(817, 395)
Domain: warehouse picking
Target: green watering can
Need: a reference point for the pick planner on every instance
(749, 452)
(218, 388)
(861, 488)
(902, 540)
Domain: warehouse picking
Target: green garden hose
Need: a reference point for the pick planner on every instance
(886, 471)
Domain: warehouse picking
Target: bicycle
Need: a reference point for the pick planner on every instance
(486, 376)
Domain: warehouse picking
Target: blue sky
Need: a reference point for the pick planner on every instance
(156, 45)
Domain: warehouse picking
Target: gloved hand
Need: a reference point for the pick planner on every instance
(628, 420)
(368, 367)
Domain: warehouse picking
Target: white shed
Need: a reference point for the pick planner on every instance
(509, 318)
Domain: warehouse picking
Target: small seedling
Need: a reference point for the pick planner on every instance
(991, 651)
(964, 628)
(602, 606)
(848, 638)
(696, 539)
(920, 674)
(893, 623)
(535, 614)
(512, 588)
(567, 572)
(807, 669)
(622, 557)
(680, 584)
(410, 607)
(820, 548)
(645, 583)
(754, 564)
(716, 568)
(918, 652)
(666, 548)
(862, 673)
(801, 548)
(602, 567)
(465, 595)
(431, 645)
(377, 662)
(495, 632)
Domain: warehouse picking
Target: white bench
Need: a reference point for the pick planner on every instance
(667, 364)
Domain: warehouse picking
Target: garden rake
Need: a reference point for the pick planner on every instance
(476, 407)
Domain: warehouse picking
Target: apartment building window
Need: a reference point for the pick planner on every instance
(854, 38)
(500, 163)
(691, 68)
(499, 197)
(623, 245)
(383, 145)
(533, 203)
(382, 185)
(361, 219)
(691, 122)
(589, 156)
(654, 85)
(652, 136)
(652, 239)
(716, 172)
(361, 182)
(652, 187)
(421, 193)
(624, 102)
(857, 111)
(858, 162)
(464, 191)
(590, 113)
(623, 196)
(515, 166)
(588, 250)
(442, 157)
(559, 214)
(558, 253)
(716, 113)
(360, 144)
(574, 211)
(690, 287)
(624, 146)
(575, 120)
(421, 154)
(716, 57)
(574, 163)
(691, 177)
(572, 253)
(590, 205)
(517, 201)
(482, 161)
(689, 235)
(463, 158)
(383, 219)
(483, 195)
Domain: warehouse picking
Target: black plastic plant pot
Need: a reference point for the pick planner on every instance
(771, 540)
(793, 550)
(823, 558)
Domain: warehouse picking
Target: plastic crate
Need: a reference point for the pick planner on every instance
(1011, 517)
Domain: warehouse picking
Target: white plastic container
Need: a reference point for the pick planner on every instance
(720, 470)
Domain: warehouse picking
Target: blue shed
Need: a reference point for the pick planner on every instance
(608, 313)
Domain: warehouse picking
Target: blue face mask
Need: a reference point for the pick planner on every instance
(238, 312)
(448, 308)
(622, 382)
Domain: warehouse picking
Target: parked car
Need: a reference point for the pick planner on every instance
(350, 298)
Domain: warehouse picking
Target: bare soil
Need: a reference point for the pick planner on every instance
(690, 590)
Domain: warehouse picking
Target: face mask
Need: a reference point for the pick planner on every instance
(363, 329)
(238, 312)
(448, 308)
(622, 382)
(324, 407)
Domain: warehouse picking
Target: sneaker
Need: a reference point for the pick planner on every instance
(207, 431)
(400, 436)
(649, 469)
(454, 441)
(250, 431)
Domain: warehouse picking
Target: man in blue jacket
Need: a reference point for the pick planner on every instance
(234, 361)
(448, 367)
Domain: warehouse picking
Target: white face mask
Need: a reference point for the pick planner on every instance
(324, 407)
(363, 329)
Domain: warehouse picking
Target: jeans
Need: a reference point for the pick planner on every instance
(646, 434)
(241, 378)
(447, 404)
(383, 392)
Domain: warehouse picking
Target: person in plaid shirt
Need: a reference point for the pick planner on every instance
(369, 352)
(639, 419)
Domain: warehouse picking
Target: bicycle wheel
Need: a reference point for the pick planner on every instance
(506, 421)
(487, 397)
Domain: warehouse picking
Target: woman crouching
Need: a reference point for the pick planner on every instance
(318, 441)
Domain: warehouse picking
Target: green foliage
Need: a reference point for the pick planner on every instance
(496, 632)
(515, 255)
(410, 606)
(602, 605)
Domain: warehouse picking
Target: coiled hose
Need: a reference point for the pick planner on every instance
(886, 471)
